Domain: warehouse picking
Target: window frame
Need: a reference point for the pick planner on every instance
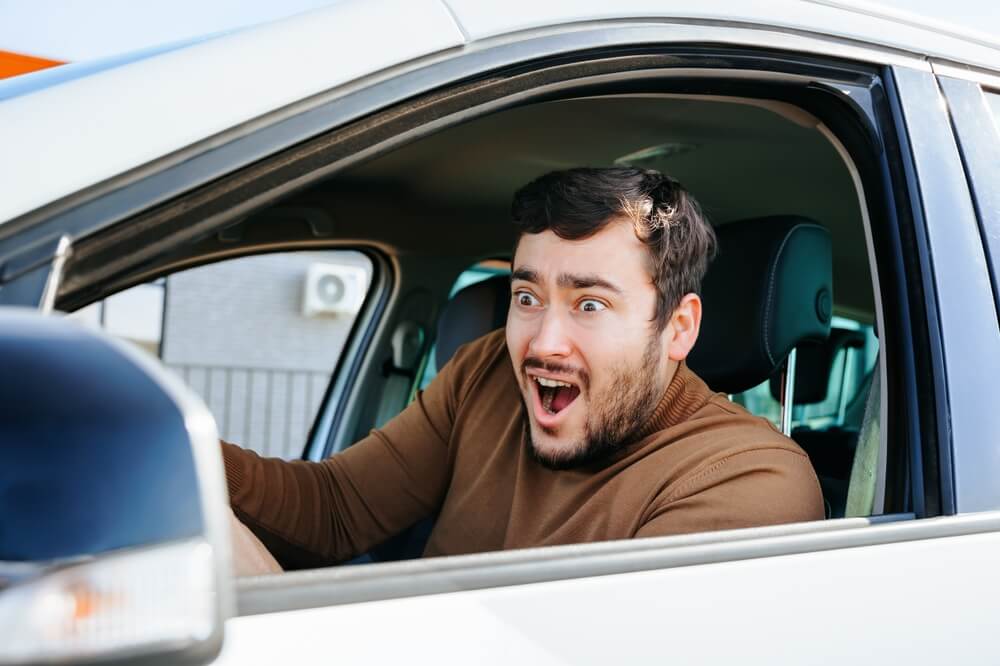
(718, 70)
(951, 245)
(330, 413)
(975, 136)
(977, 131)
(613, 557)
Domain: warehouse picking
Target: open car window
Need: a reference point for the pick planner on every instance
(257, 337)
(746, 150)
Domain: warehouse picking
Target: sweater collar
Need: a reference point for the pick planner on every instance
(684, 396)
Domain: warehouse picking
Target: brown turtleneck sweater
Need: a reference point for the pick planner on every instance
(700, 463)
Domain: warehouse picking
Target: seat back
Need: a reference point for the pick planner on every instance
(814, 365)
(769, 290)
(472, 313)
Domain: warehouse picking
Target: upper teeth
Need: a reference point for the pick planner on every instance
(550, 383)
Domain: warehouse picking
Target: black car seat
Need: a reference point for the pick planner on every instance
(769, 291)
(472, 313)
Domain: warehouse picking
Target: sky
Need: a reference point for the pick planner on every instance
(79, 30)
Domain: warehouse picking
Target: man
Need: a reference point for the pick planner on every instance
(577, 422)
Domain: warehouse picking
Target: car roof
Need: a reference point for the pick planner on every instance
(64, 138)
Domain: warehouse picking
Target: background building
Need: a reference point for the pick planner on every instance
(256, 337)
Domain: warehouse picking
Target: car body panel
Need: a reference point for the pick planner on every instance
(57, 140)
(55, 76)
(861, 22)
(864, 604)
(191, 94)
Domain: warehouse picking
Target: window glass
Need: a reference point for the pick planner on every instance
(256, 337)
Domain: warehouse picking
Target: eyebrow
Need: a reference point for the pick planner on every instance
(568, 280)
(524, 274)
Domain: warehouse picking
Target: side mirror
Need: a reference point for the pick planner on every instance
(114, 539)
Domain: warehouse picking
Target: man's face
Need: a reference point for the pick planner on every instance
(588, 358)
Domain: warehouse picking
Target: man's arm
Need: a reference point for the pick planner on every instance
(250, 557)
(767, 486)
(312, 514)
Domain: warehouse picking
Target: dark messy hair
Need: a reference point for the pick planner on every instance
(577, 203)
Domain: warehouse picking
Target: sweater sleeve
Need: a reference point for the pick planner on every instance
(766, 486)
(311, 514)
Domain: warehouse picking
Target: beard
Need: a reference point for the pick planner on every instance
(614, 414)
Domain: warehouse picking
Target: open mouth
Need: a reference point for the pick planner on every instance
(555, 395)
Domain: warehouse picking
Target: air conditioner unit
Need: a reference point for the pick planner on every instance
(332, 289)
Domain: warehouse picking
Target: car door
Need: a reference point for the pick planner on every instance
(861, 588)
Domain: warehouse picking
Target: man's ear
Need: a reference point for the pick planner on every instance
(683, 327)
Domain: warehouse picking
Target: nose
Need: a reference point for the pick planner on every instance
(551, 339)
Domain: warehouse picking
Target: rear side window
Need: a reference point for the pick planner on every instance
(257, 337)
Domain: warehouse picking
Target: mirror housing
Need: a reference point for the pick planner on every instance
(114, 539)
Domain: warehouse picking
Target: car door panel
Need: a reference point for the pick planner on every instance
(867, 603)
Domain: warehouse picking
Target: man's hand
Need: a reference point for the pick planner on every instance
(250, 557)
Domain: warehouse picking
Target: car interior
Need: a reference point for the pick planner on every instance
(776, 183)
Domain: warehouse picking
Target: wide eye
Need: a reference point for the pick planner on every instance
(591, 305)
(526, 299)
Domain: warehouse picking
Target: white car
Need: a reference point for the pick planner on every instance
(387, 137)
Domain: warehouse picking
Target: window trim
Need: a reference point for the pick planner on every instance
(331, 423)
(957, 263)
(329, 417)
(978, 134)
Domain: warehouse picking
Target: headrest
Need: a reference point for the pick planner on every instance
(814, 364)
(769, 289)
(472, 313)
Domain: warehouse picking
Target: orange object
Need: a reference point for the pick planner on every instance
(13, 64)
